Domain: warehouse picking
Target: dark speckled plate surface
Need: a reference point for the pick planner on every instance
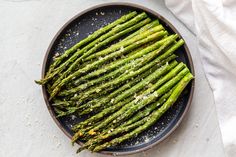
(84, 24)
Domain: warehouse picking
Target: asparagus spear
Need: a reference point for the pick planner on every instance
(141, 30)
(144, 28)
(154, 117)
(100, 115)
(144, 112)
(134, 73)
(175, 72)
(106, 135)
(155, 75)
(147, 110)
(104, 102)
(126, 126)
(107, 98)
(110, 75)
(62, 104)
(123, 61)
(124, 43)
(136, 108)
(170, 75)
(90, 121)
(111, 66)
(163, 56)
(99, 62)
(137, 104)
(91, 37)
(141, 48)
(104, 39)
(124, 78)
(69, 111)
(118, 91)
(83, 131)
(96, 47)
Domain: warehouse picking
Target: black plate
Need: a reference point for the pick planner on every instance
(84, 24)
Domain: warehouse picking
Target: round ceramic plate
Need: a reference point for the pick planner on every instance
(84, 24)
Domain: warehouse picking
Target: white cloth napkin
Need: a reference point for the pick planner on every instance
(214, 24)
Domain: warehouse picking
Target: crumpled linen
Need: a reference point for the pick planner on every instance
(214, 24)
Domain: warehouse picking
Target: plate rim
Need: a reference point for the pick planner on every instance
(45, 60)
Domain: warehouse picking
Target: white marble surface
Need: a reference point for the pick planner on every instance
(26, 128)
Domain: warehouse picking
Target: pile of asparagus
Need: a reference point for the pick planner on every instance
(123, 88)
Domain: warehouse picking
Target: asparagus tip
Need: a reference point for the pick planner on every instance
(40, 82)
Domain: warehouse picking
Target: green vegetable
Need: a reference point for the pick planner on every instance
(130, 63)
(141, 30)
(91, 37)
(144, 28)
(108, 98)
(99, 62)
(141, 101)
(147, 110)
(94, 44)
(90, 121)
(93, 142)
(155, 115)
(136, 88)
(124, 78)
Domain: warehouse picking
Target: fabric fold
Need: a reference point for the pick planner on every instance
(214, 24)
